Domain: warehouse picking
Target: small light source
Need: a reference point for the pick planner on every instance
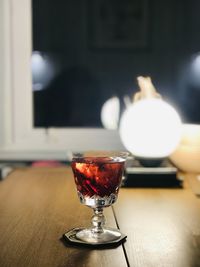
(43, 70)
(110, 112)
(150, 127)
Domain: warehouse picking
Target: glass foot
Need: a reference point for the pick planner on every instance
(88, 237)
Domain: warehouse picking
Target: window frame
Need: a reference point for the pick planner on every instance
(19, 139)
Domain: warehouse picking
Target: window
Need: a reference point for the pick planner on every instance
(78, 47)
(159, 51)
(19, 137)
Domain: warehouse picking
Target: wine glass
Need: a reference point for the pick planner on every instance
(98, 178)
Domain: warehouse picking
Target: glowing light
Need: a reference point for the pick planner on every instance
(43, 70)
(110, 113)
(150, 128)
(194, 70)
(196, 64)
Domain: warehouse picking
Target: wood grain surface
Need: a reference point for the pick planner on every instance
(36, 207)
(163, 226)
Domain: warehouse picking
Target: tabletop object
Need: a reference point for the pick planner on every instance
(38, 205)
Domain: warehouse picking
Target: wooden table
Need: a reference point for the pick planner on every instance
(38, 205)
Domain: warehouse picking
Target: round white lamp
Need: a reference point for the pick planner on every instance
(150, 128)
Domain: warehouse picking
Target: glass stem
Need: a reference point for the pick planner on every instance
(98, 221)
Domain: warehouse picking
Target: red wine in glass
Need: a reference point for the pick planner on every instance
(98, 179)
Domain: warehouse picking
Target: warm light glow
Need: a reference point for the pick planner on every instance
(150, 128)
(110, 113)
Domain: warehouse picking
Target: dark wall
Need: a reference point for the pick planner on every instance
(92, 71)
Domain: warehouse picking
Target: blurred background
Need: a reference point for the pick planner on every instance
(86, 52)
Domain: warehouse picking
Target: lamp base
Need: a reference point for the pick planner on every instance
(164, 175)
